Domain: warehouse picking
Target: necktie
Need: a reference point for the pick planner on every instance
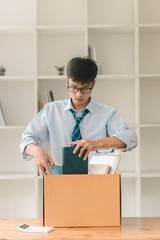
(76, 135)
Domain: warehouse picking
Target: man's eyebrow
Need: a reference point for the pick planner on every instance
(82, 87)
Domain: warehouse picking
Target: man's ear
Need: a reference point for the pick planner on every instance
(66, 80)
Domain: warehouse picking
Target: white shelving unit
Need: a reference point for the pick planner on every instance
(36, 35)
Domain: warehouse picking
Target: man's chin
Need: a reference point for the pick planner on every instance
(80, 103)
(79, 100)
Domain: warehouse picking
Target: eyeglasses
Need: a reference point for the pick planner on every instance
(84, 90)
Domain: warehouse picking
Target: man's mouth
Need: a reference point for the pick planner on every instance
(79, 99)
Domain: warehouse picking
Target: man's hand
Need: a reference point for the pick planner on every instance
(93, 145)
(42, 159)
(88, 145)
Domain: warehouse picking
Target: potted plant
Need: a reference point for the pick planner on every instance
(2, 71)
(60, 70)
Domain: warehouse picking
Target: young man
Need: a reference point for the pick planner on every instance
(77, 121)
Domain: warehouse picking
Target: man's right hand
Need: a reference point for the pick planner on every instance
(42, 159)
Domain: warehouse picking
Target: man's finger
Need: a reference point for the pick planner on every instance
(82, 151)
(86, 155)
(42, 169)
(80, 144)
(74, 143)
(47, 169)
(51, 163)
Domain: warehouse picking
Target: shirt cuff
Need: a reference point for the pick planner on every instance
(23, 145)
(130, 143)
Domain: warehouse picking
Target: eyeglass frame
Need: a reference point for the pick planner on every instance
(79, 89)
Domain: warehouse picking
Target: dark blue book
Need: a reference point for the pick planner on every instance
(72, 163)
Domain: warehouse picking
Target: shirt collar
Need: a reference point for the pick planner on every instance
(70, 106)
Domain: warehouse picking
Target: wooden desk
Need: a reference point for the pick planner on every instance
(131, 228)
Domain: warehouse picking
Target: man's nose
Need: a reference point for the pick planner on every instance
(79, 93)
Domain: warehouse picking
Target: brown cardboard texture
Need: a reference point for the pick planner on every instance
(81, 200)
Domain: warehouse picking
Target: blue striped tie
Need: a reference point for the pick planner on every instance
(76, 135)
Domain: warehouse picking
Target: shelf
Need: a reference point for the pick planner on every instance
(153, 76)
(98, 29)
(12, 127)
(17, 78)
(15, 176)
(131, 175)
(116, 77)
(147, 125)
(128, 175)
(99, 76)
(57, 77)
(123, 175)
(151, 175)
(149, 28)
(60, 30)
(16, 30)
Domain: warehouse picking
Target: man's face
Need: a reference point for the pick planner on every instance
(80, 98)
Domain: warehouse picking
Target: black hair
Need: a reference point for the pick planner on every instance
(83, 70)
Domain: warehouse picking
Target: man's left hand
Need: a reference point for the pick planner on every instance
(84, 144)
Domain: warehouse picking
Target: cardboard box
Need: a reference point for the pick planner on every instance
(81, 200)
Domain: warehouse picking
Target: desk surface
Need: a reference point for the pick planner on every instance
(131, 228)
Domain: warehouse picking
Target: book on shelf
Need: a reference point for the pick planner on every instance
(2, 121)
(51, 96)
(92, 55)
(48, 98)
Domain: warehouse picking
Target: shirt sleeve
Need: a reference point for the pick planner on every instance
(36, 132)
(117, 127)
